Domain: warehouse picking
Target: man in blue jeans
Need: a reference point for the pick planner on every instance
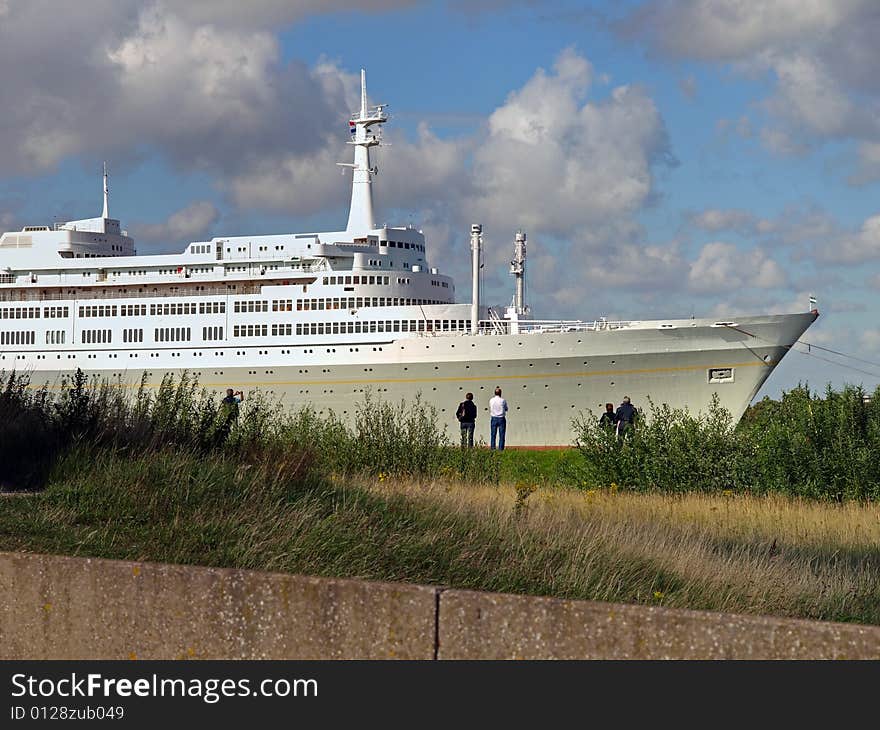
(498, 414)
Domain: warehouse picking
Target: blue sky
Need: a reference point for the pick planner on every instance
(665, 157)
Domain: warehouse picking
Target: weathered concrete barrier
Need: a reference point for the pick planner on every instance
(57, 607)
(477, 625)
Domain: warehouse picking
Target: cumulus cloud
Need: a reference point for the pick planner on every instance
(724, 267)
(273, 13)
(713, 30)
(193, 222)
(552, 160)
(731, 219)
(869, 339)
(820, 55)
(855, 248)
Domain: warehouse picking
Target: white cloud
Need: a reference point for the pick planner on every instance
(193, 222)
(556, 162)
(820, 55)
(722, 267)
(868, 164)
(272, 13)
(728, 31)
(731, 219)
(869, 339)
(854, 248)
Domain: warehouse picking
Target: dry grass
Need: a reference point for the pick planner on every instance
(772, 554)
(766, 555)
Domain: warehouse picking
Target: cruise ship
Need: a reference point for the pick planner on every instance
(323, 318)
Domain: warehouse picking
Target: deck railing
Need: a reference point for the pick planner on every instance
(532, 326)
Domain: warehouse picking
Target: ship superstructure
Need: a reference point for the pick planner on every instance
(321, 318)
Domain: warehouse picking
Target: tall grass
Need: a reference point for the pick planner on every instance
(775, 555)
(37, 427)
(166, 474)
(821, 446)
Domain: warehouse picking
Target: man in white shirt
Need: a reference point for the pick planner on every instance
(498, 414)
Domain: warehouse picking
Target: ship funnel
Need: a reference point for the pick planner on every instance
(476, 251)
(518, 269)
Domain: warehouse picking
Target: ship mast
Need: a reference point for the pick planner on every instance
(106, 214)
(360, 214)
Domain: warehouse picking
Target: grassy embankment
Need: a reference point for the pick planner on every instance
(158, 478)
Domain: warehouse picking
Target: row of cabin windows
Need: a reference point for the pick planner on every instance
(20, 313)
(93, 337)
(403, 244)
(140, 310)
(444, 284)
(396, 325)
(252, 306)
(172, 334)
(357, 279)
(174, 308)
(17, 338)
(183, 334)
(358, 302)
(250, 330)
(201, 249)
(55, 312)
(98, 311)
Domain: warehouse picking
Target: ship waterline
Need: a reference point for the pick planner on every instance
(548, 378)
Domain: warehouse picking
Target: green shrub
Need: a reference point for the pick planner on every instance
(805, 444)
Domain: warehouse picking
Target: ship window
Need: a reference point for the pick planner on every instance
(721, 375)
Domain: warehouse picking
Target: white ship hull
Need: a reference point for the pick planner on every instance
(548, 378)
(321, 318)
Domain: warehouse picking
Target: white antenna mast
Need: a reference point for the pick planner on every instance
(360, 214)
(106, 213)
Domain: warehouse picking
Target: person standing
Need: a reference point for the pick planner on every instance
(498, 414)
(626, 417)
(228, 413)
(232, 401)
(609, 418)
(467, 416)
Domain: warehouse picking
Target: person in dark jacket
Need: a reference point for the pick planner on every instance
(626, 417)
(467, 416)
(609, 418)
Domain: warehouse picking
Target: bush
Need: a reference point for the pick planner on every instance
(808, 445)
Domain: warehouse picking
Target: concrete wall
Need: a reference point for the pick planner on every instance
(55, 607)
(498, 626)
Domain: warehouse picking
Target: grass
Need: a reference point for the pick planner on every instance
(767, 555)
(705, 517)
